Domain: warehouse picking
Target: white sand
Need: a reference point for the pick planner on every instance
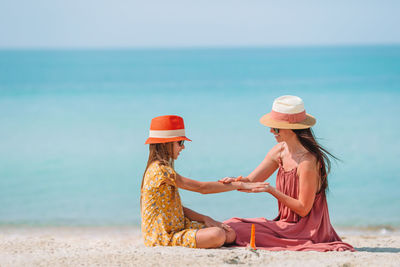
(123, 246)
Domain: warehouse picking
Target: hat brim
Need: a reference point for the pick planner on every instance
(154, 140)
(269, 122)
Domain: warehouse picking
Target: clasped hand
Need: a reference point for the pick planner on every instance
(246, 185)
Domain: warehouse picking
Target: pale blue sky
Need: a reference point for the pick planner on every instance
(186, 23)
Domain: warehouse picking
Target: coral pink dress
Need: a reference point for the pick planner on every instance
(289, 231)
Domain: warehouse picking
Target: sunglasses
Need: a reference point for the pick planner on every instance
(276, 130)
(181, 143)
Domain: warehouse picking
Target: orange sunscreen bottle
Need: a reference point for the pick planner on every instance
(253, 237)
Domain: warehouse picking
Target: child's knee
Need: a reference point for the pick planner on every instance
(219, 237)
(230, 236)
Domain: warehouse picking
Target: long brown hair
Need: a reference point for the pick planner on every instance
(162, 152)
(309, 142)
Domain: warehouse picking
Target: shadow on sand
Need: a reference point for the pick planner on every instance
(378, 249)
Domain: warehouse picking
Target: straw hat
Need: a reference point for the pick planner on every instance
(168, 128)
(288, 113)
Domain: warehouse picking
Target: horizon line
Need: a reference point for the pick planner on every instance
(187, 47)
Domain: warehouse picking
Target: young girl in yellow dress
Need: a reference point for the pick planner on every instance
(165, 222)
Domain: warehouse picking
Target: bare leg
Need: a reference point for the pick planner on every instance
(230, 236)
(212, 237)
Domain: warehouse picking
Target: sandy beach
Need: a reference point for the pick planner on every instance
(123, 246)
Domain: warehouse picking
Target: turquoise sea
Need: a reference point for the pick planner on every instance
(73, 126)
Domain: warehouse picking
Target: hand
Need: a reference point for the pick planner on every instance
(228, 180)
(255, 187)
(210, 222)
(242, 179)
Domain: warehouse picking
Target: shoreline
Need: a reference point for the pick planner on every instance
(346, 230)
(123, 245)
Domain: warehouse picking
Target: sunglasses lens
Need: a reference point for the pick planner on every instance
(182, 142)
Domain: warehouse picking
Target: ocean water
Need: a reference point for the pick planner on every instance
(73, 126)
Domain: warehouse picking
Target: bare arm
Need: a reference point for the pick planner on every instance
(205, 187)
(308, 184)
(267, 167)
(208, 221)
(193, 216)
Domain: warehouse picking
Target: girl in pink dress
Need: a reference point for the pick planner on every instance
(303, 165)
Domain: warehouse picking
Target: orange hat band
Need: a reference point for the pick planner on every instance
(167, 133)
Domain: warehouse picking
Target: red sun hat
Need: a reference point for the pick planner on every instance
(168, 128)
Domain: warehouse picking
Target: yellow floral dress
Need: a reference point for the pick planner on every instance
(163, 220)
